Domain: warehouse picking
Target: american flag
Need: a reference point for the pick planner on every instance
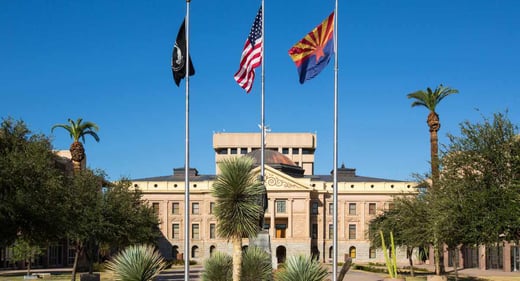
(251, 55)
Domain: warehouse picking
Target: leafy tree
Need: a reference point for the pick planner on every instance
(23, 251)
(137, 263)
(237, 190)
(431, 99)
(78, 130)
(299, 268)
(30, 185)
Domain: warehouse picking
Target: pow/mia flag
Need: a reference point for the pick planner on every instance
(179, 56)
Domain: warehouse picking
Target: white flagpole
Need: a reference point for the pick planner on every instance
(335, 165)
(187, 153)
(262, 138)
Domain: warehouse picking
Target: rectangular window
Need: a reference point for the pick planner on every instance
(280, 230)
(314, 208)
(221, 150)
(351, 231)
(211, 207)
(155, 207)
(352, 209)
(176, 208)
(285, 150)
(195, 234)
(331, 231)
(176, 231)
(372, 253)
(243, 150)
(195, 208)
(371, 208)
(295, 151)
(233, 151)
(281, 206)
(307, 151)
(331, 208)
(314, 231)
(212, 231)
(391, 206)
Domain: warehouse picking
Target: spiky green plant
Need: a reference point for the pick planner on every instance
(219, 267)
(256, 265)
(391, 262)
(302, 268)
(136, 263)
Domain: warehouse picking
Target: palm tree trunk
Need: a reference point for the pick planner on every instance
(434, 151)
(237, 258)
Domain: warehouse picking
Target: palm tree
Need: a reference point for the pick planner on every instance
(430, 99)
(237, 190)
(78, 130)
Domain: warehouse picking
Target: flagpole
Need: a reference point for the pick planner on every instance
(335, 165)
(187, 153)
(262, 158)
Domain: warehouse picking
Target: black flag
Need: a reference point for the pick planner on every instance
(179, 57)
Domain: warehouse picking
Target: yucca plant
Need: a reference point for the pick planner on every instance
(256, 265)
(302, 268)
(219, 267)
(137, 263)
(391, 262)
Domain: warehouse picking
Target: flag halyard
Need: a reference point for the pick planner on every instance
(251, 55)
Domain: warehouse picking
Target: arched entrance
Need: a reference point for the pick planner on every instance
(211, 250)
(281, 254)
(175, 252)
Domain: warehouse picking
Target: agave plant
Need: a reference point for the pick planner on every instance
(256, 265)
(302, 268)
(136, 263)
(219, 267)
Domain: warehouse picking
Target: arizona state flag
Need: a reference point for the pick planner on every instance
(313, 52)
(179, 56)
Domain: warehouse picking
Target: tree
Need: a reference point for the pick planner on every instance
(78, 130)
(30, 185)
(237, 190)
(430, 99)
(23, 251)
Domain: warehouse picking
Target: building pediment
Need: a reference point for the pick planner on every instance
(275, 180)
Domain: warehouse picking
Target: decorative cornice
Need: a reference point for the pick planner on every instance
(275, 181)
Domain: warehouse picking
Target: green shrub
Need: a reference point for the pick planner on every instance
(301, 268)
(136, 263)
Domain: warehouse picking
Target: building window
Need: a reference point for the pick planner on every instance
(243, 150)
(307, 151)
(281, 207)
(351, 231)
(352, 252)
(331, 252)
(331, 231)
(371, 208)
(314, 231)
(331, 208)
(211, 207)
(391, 206)
(211, 231)
(285, 150)
(221, 151)
(233, 151)
(195, 210)
(176, 208)
(176, 231)
(280, 230)
(372, 253)
(155, 208)
(195, 252)
(314, 208)
(295, 151)
(195, 231)
(352, 209)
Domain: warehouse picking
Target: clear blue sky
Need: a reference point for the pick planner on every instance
(109, 62)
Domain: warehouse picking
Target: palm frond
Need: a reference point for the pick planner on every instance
(256, 265)
(302, 268)
(137, 263)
